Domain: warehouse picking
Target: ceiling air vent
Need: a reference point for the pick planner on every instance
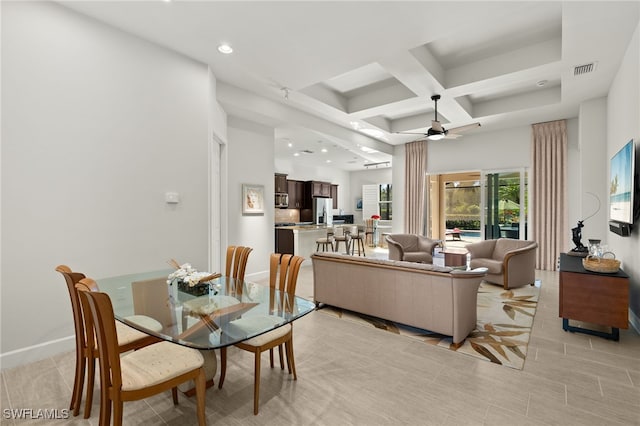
(306, 151)
(584, 69)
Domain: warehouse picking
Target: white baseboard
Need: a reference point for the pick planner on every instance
(36, 352)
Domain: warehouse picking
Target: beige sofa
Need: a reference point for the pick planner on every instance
(510, 263)
(439, 299)
(411, 247)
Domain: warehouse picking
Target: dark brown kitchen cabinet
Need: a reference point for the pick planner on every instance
(281, 183)
(295, 188)
(334, 195)
(320, 189)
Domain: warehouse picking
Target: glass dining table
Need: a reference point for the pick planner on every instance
(206, 320)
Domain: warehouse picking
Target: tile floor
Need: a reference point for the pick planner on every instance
(349, 374)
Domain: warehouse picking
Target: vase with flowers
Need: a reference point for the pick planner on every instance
(188, 280)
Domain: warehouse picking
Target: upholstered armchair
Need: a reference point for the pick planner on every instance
(510, 263)
(411, 247)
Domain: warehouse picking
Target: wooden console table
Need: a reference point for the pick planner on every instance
(592, 297)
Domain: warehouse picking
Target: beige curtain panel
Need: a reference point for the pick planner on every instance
(414, 180)
(549, 203)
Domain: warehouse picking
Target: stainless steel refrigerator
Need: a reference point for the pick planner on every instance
(323, 211)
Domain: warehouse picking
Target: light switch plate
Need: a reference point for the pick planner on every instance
(172, 197)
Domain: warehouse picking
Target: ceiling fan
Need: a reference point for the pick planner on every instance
(437, 132)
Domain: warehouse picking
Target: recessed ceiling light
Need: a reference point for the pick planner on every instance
(324, 150)
(296, 154)
(328, 161)
(289, 144)
(225, 48)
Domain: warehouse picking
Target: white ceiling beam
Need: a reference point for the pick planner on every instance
(376, 95)
(325, 94)
(411, 69)
(523, 101)
(533, 56)
(241, 100)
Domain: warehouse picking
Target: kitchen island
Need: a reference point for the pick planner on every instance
(299, 239)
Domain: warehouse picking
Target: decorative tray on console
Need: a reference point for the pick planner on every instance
(601, 264)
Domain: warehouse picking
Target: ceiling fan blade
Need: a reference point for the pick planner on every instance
(464, 128)
(435, 125)
(409, 133)
(452, 136)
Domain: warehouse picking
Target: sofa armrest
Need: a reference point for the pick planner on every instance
(396, 252)
(520, 251)
(482, 249)
(427, 244)
(519, 266)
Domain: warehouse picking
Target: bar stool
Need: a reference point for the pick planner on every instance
(357, 237)
(340, 234)
(324, 242)
(369, 231)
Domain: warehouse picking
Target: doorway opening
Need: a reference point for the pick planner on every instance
(466, 207)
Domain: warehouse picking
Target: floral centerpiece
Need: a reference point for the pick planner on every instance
(189, 280)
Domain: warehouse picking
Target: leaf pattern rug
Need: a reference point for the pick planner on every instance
(505, 318)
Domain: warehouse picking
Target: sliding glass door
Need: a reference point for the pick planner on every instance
(504, 203)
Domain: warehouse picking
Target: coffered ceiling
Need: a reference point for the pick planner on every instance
(346, 76)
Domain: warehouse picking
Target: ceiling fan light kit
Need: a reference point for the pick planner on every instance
(436, 132)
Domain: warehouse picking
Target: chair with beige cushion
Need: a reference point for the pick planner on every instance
(283, 276)
(341, 235)
(510, 263)
(411, 247)
(142, 373)
(369, 231)
(151, 299)
(356, 233)
(325, 242)
(86, 352)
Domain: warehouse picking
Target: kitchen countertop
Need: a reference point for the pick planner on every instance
(303, 227)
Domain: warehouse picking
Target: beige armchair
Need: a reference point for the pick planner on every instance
(411, 247)
(510, 263)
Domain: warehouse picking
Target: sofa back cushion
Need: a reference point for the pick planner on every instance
(384, 262)
(409, 242)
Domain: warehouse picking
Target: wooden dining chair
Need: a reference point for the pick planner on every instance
(236, 265)
(141, 373)
(283, 276)
(86, 352)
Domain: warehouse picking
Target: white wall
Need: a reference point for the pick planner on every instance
(623, 118)
(250, 147)
(96, 126)
(506, 148)
(590, 174)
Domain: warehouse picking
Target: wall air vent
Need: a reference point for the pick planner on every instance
(585, 68)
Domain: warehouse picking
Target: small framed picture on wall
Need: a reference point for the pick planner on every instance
(359, 204)
(252, 199)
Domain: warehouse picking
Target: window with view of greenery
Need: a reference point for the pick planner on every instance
(386, 198)
(462, 205)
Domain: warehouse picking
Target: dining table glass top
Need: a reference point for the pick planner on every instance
(216, 314)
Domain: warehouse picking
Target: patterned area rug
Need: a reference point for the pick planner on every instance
(501, 336)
